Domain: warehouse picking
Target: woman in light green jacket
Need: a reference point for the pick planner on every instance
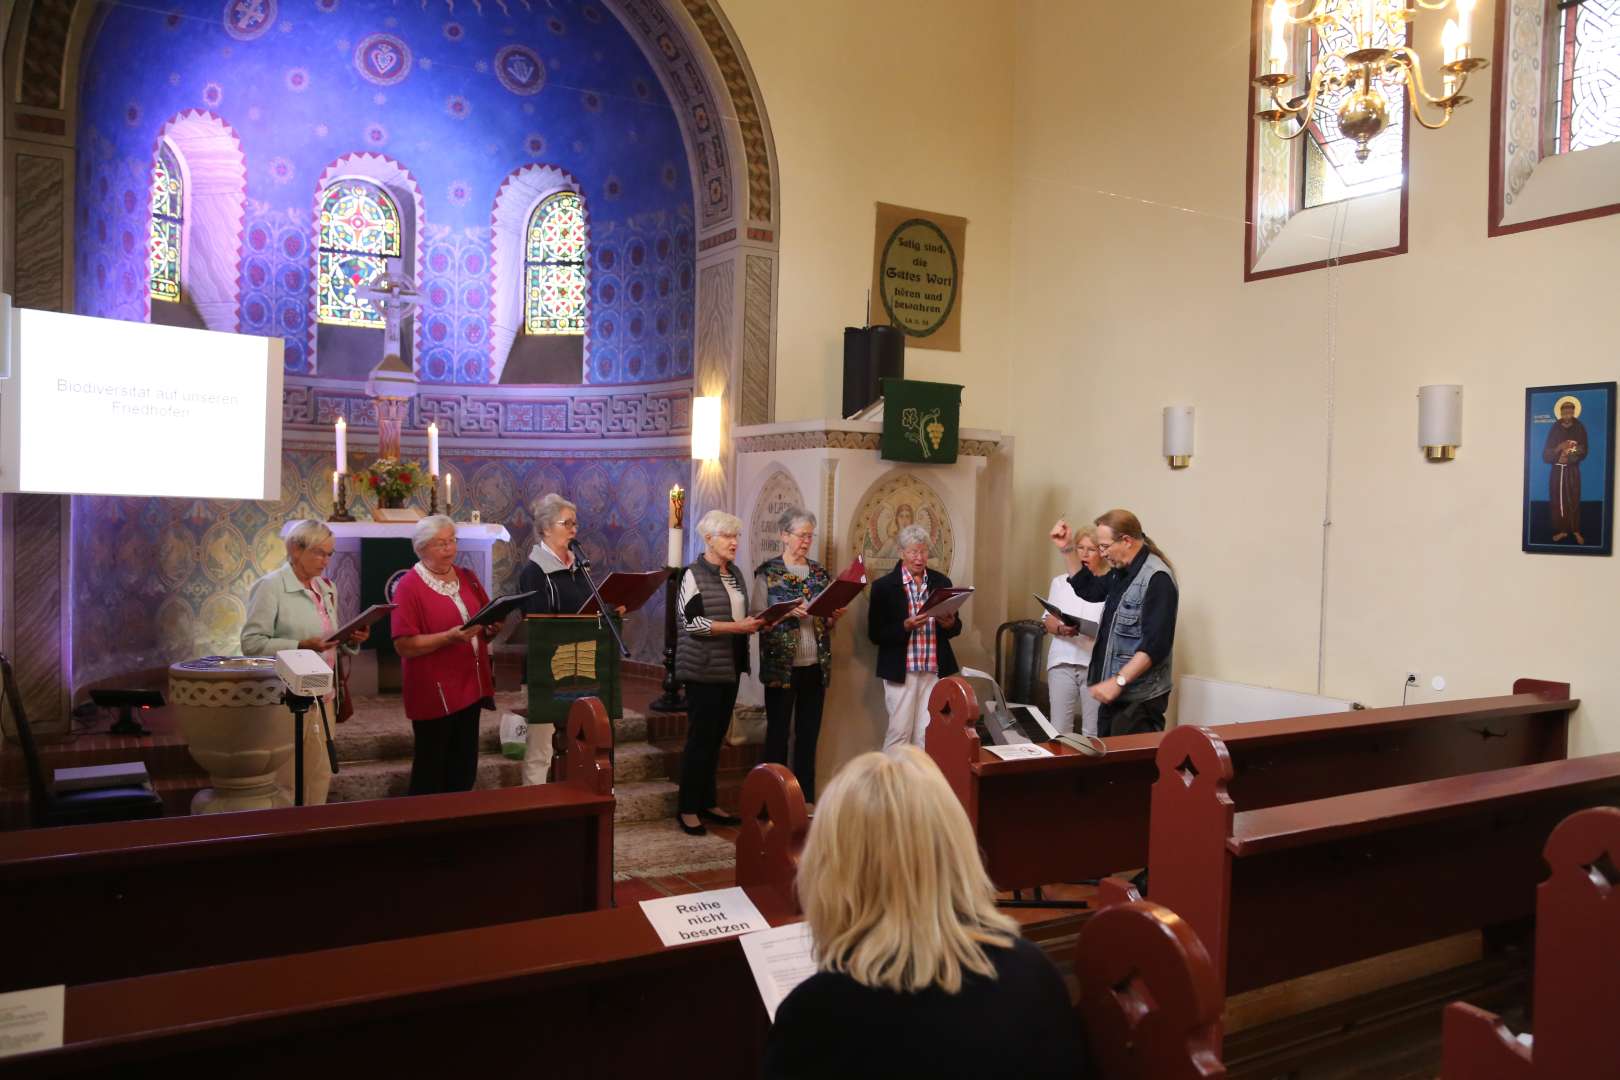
(294, 607)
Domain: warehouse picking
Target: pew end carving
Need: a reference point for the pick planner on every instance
(952, 738)
(774, 825)
(588, 751)
(1150, 1004)
(1576, 991)
(1190, 820)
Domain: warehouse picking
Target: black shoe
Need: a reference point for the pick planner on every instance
(690, 830)
(719, 819)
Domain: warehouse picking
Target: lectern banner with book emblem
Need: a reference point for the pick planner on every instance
(570, 657)
(922, 421)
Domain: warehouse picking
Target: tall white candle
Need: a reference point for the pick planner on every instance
(1448, 39)
(334, 487)
(674, 558)
(342, 446)
(447, 493)
(433, 449)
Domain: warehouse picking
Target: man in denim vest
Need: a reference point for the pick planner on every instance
(1129, 674)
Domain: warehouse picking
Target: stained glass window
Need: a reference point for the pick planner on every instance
(1332, 172)
(167, 203)
(359, 232)
(554, 266)
(1587, 86)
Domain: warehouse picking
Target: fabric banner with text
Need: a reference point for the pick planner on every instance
(917, 273)
(921, 421)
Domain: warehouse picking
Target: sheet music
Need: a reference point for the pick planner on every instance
(1019, 751)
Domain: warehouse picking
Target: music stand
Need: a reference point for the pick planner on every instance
(126, 702)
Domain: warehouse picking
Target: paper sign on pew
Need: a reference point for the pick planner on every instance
(31, 1020)
(719, 913)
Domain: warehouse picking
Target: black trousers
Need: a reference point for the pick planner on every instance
(446, 756)
(796, 708)
(708, 715)
(1132, 717)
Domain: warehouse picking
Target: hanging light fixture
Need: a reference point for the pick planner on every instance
(1364, 68)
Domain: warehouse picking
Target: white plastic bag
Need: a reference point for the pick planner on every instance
(514, 736)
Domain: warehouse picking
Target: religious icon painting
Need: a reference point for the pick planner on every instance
(1569, 469)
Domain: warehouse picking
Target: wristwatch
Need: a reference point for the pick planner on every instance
(1120, 679)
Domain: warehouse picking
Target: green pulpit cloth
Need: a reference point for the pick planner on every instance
(570, 657)
(921, 421)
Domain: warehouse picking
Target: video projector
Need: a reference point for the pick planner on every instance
(303, 672)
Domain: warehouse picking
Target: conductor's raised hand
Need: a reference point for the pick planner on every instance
(1062, 534)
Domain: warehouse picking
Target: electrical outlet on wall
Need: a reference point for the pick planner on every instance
(1413, 678)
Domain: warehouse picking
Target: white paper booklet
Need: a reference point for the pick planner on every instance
(1017, 751)
(780, 959)
(681, 920)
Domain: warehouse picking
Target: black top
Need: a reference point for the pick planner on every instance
(562, 592)
(1018, 1025)
(886, 614)
(1158, 610)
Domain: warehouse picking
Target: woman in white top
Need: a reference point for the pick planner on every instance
(1070, 654)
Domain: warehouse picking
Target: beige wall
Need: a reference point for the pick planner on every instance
(901, 101)
(1128, 302)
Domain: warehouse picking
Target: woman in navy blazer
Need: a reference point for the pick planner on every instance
(913, 653)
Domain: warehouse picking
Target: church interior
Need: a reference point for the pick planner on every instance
(1331, 376)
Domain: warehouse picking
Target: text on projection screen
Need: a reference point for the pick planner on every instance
(108, 407)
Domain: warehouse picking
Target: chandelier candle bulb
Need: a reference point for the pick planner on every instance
(433, 449)
(1448, 39)
(1465, 21)
(342, 430)
(1279, 43)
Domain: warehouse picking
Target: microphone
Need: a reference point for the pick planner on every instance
(581, 560)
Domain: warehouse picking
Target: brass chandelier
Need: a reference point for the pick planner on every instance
(1364, 67)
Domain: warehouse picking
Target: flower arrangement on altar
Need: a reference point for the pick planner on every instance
(393, 481)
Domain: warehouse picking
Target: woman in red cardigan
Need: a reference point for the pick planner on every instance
(445, 669)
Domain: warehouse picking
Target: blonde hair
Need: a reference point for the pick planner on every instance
(1077, 531)
(891, 881)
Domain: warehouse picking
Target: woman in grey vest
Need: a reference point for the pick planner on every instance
(711, 654)
(1129, 674)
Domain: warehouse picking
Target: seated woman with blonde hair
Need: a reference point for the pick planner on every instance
(917, 974)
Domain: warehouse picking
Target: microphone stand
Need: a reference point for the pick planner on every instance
(584, 563)
(299, 704)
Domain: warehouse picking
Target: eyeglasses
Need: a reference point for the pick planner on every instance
(1102, 546)
(802, 536)
(441, 542)
(569, 524)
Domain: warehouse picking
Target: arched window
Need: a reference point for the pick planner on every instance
(1332, 172)
(167, 209)
(554, 298)
(359, 231)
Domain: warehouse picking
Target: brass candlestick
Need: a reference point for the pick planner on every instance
(340, 505)
(433, 495)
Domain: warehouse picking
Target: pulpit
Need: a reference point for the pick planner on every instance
(570, 657)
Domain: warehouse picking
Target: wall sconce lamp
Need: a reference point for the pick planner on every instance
(1440, 420)
(705, 429)
(1178, 435)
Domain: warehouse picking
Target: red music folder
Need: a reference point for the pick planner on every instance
(846, 587)
(631, 590)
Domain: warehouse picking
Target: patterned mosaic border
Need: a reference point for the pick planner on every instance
(656, 410)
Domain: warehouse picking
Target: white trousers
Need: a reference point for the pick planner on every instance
(1066, 683)
(907, 703)
(537, 759)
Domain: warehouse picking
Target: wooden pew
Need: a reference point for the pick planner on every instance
(1298, 888)
(1072, 817)
(1576, 998)
(585, 995)
(97, 902)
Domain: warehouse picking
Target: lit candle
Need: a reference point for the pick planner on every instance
(1279, 43)
(447, 480)
(334, 487)
(675, 506)
(342, 446)
(433, 449)
(1448, 39)
(1465, 20)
